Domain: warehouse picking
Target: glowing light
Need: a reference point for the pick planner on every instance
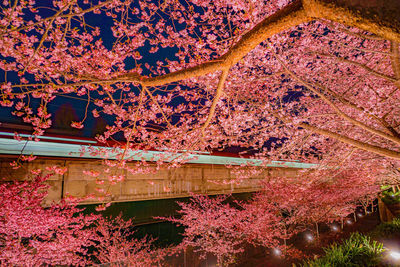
(359, 215)
(277, 252)
(309, 237)
(395, 255)
(349, 221)
(335, 228)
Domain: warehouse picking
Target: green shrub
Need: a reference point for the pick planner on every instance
(387, 229)
(356, 251)
(389, 197)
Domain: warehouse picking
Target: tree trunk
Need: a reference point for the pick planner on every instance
(381, 17)
(385, 214)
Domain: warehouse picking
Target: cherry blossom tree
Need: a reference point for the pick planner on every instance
(312, 80)
(225, 58)
(318, 196)
(61, 234)
(283, 208)
(212, 226)
(304, 201)
(35, 235)
(115, 244)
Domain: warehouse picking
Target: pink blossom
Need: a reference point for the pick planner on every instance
(77, 125)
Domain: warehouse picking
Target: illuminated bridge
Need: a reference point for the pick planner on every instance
(203, 173)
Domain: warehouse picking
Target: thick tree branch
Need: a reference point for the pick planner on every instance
(395, 58)
(299, 11)
(380, 17)
(290, 16)
(358, 144)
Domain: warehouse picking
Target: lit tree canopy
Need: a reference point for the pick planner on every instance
(313, 80)
(212, 74)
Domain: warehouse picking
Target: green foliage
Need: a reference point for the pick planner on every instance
(387, 229)
(390, 197)
(385, 187)
(358, 250)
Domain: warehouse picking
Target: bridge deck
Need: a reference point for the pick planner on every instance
(202, 174)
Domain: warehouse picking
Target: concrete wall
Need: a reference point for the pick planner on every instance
(161, 184)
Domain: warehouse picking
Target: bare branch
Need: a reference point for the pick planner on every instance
(365, 67)
(44, 36)
(157, 104)
(59, 15)
(218, 93)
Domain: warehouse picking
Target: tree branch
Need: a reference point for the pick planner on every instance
(218, 93)
(388, 128)
(383, 20)
(395, 58)
(337, 110)
(58, 15)
(290, 16)
(157, 104)
(347, 140)
(361, 145)
(299, 11)
(44, 36)
(365, 67)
